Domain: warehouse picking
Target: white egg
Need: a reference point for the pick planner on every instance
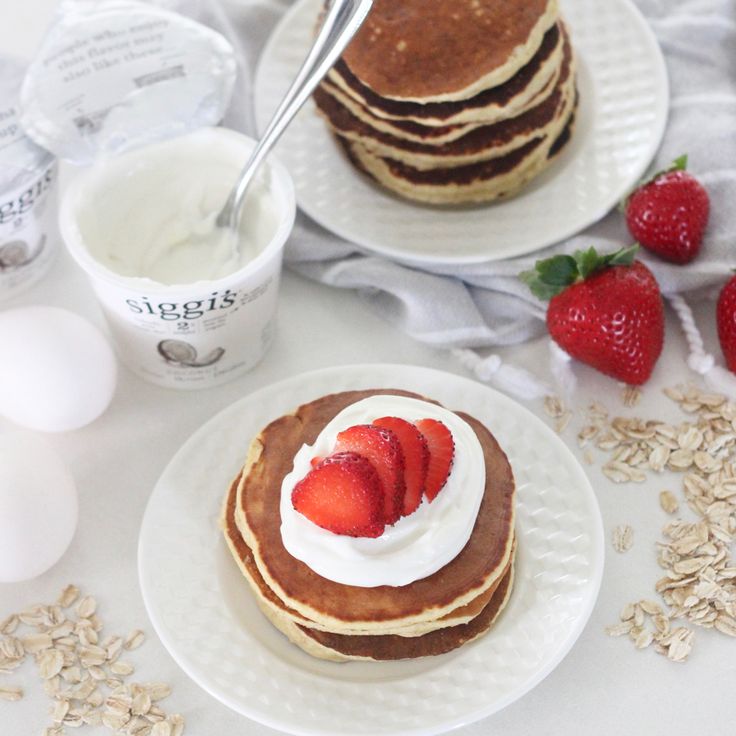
(38, 506)
(57, 371)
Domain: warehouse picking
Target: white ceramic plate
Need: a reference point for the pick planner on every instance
(624, 96)
(203, 611)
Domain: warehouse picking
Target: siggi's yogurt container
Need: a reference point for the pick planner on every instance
(28, 194)
(133, 91)
(184, 311)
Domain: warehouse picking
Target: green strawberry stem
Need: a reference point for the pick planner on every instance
(553, 275)
(679, 164)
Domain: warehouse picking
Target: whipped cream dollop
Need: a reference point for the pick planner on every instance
(418, 544)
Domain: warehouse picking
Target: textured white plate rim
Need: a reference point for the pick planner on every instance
(313, 382)
(658, 71)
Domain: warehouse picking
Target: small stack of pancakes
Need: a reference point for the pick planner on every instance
(329, 620)
(454, 101)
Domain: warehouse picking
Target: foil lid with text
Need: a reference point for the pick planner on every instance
(118, 74)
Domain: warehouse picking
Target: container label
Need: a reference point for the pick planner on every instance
(199, 340)
(27, 231)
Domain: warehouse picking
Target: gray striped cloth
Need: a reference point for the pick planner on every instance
(485, 305)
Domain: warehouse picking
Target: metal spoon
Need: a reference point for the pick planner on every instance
(342, 20)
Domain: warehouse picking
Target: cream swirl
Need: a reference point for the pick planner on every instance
(417, 545)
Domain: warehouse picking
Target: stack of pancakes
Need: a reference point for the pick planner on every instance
(340, 622)
(454, 101)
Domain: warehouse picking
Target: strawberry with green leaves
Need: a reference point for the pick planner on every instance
(668, 213)
(604, 310)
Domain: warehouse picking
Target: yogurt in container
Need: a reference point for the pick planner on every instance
(132, 92)
(183, 310)
(28, 194)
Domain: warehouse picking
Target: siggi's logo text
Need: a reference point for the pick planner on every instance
(24, 200)
(190, 310)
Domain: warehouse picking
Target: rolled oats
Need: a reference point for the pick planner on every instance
(623, 538)
(554, 406)
(700, 576)
(135, 639)
(668, 502)
(10, 693)
(631, 396)
(68, 596)
(76, 669)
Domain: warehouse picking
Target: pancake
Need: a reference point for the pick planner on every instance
(431, 135)
(436, 135)
(446, 50)
(511, 98)
(340, 648)
(480, 144)
(382, 648)
(277, 610)
(496, 178)
(345, 608)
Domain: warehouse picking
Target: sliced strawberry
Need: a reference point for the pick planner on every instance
(343, 495)
(441, 453)
(382, 448)
(416, 459)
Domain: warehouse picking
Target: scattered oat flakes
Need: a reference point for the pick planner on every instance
(68, 596)
(134, 639)
(562, 422)
(82, 674)
(623, 538)
(9, 624)
(86, 607)
(554, 406)
(668, 502)
(50, 662)
(631, 396)
(700, 573)
(619, 629)
(10, 693)
(162, 728)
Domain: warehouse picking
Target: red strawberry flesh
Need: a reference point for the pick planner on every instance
(416, 459)
(613, 321)
(669, 215)
(726, 321)
(343, 495)
(441, 453)
(382, 449)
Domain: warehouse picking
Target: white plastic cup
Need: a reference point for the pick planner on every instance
(199, 334)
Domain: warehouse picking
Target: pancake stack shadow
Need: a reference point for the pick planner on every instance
(454, 101)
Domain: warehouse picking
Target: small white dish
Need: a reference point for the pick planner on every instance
(624, 98)
(204, 613)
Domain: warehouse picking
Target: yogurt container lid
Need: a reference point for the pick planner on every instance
(19, 155)
(118, 74)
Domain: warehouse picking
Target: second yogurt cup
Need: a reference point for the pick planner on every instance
(182, 312)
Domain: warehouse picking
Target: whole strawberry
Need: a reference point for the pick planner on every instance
(605, 311)
(726, 321)
(668, 214)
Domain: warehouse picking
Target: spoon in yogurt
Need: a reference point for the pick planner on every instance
(342, 19)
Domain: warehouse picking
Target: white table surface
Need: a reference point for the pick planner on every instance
(604, 686)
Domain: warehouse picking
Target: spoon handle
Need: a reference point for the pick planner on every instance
(342, 20)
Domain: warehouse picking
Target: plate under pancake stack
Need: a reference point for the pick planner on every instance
(454, 101)
(451, 607)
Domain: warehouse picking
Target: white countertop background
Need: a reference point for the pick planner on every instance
(603, 687)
